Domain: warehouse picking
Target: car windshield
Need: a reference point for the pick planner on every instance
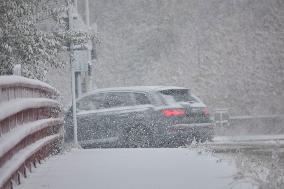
(92, 102)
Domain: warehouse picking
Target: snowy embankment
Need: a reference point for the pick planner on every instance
(179, 168)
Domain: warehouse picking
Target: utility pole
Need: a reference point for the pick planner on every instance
(78, 81)
(87, 19)
(73, 75)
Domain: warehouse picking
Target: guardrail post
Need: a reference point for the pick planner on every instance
(220, 117)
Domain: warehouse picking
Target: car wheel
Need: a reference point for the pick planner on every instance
(189, 140)
(138, 137)
(177, 141)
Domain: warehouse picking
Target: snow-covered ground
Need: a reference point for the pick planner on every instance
(133, 169)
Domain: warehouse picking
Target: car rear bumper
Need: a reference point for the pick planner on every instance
(190, 127)
(193, 126)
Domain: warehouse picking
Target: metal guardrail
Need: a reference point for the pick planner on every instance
(223, 118)
(30, 126)
(257, 117)
(227, 124)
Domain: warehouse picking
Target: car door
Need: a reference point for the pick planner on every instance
(103, 117)
(118, 105)
(125, 110)
(143, 108)
(138, 113)
(91, 119)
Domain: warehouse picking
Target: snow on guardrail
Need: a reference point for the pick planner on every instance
(19, 159)
(30, 126)
(257, 117)
(19, 81)
(237, 143)
(17, 105)
(247, 138)
(16, 135)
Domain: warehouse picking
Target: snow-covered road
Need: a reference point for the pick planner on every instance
(133, 169)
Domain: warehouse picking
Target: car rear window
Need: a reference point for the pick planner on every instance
(178, 95)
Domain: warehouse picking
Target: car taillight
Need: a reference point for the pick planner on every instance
(173, 112)
(205, 111)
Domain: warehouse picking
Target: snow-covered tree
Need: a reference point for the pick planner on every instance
(32, 34)
(21, 40)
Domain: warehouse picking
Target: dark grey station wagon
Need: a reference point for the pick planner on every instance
(142, 116)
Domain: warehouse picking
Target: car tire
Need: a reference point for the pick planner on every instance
(177, 141)
(138, 136)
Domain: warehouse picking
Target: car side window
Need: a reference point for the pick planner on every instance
(92, 102)
(117, 99)
(141, 98)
